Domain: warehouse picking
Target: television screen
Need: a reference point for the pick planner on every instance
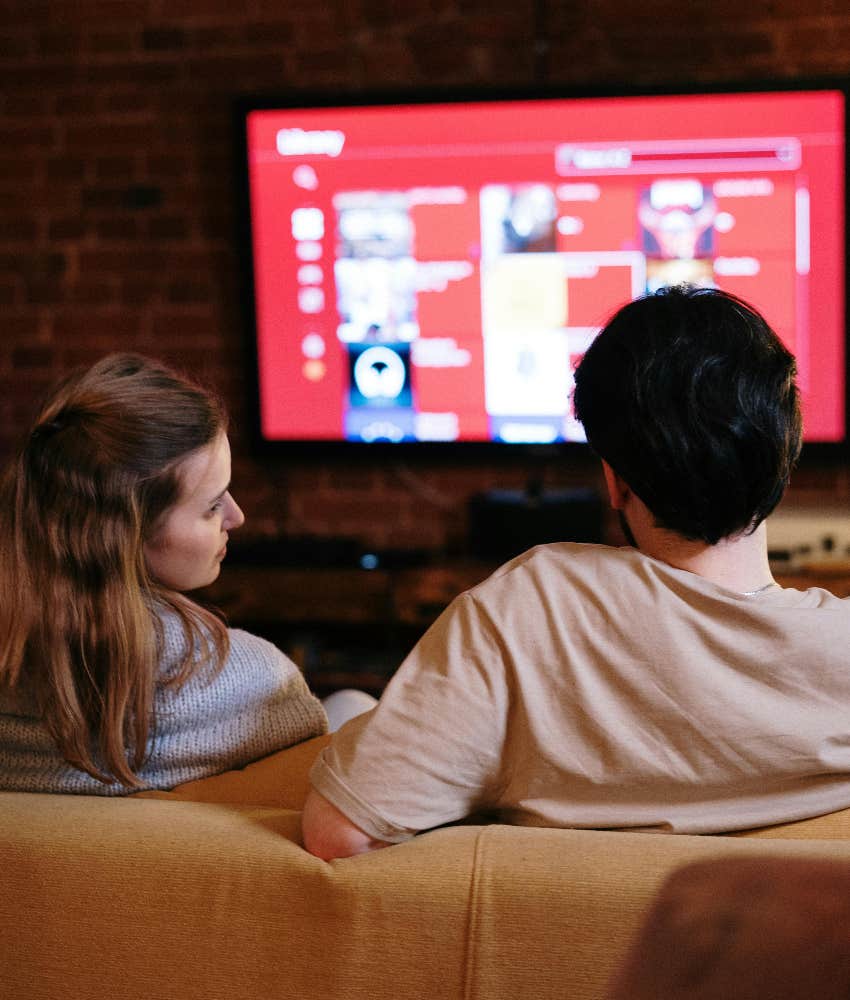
(432, 271)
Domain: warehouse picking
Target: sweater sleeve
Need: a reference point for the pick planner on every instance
(257, 704)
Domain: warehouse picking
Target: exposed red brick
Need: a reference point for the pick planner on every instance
(10, 292)
(93, 293)
(171, 227)
(118, 203)
(114, 42)
(30, 357)
(94, 331)
(17, 168)
(159, 39)
(16, 44)
(188, 328)
(16, 229)
(117, 228)
(66, 168)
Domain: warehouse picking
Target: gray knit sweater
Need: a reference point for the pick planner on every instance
(257, 704)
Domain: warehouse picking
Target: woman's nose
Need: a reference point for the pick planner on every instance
(235, 517)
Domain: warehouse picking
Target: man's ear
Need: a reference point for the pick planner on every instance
(618, 489)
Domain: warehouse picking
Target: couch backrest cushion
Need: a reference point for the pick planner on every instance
(279, 780)
(130, 897)
(832, 826)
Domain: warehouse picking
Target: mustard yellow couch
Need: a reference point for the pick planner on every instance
(205, 892)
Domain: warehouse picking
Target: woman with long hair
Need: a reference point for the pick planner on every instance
(111, 678)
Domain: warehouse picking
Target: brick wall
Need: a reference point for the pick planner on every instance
(116, 191)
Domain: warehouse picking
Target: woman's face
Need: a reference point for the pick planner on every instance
(190, 540)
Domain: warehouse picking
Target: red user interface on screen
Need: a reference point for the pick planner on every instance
(434, 272)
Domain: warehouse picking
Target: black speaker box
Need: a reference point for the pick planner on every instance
(504, 523)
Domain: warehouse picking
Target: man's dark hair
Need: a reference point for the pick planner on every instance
(690, 397)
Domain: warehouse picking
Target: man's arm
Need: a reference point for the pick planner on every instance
(428, 754)
(329, 834)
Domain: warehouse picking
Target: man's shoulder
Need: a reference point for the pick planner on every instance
(559, 568)
(566, 558)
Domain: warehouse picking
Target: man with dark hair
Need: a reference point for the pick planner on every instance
(671, 685)
(689, 397)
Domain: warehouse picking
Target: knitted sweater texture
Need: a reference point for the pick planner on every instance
(258, 703)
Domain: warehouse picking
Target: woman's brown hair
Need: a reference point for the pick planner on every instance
(80, 633)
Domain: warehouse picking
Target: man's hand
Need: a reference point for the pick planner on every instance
(329, 834)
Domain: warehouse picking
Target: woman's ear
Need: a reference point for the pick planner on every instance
(618, 489)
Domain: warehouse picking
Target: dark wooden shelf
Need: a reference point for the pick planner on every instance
(345, 626)
(412, 596)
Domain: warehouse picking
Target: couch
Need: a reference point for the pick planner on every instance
(206, 892)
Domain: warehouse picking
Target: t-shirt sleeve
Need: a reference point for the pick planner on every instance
(430, 752)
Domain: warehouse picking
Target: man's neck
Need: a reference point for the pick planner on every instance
(739, 563)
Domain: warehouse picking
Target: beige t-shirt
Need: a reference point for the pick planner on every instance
(589, 686)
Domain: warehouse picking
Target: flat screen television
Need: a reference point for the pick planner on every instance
(427, 272)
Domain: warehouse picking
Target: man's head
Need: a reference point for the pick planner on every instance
(690, 397)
